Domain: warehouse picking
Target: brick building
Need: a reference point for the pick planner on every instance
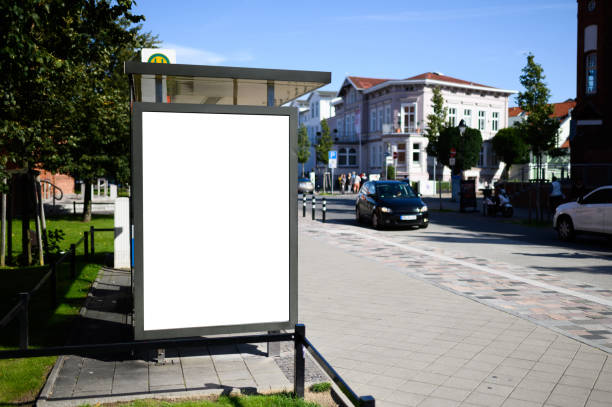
(591, 138)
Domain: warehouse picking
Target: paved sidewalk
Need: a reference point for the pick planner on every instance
(382, 315)
(77, 380)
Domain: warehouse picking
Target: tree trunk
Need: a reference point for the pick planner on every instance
(87, 202)
(39, 241)
(43, 218)
(506, 172)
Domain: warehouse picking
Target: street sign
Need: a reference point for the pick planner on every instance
(453, 152)
(451, 161)
(332, 156)
(395, 155)
(389, 160)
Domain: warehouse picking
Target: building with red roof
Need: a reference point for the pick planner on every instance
(377, 117)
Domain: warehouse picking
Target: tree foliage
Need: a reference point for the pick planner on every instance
(324, 143)
(510, 147)
(435, 121)
(467, 147)
(303, 147)
(539, 130)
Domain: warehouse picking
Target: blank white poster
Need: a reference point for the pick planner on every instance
(215, 219)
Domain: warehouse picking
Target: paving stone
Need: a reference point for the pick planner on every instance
(510, 402)
(406, 399)
(483, 399)
(562, 400)
(438, 402)
(538, 396)
(451, 393)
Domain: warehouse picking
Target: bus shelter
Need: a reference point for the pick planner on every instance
(214, 192)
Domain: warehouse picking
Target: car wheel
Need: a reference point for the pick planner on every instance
(375, 221)
(565, 229)
(424, 226)
(357, 215)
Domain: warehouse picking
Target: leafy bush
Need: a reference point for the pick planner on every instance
(390, 172)
(320, 387)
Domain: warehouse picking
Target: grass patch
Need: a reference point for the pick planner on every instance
(269, 400)
(320, 387)
(22, 379)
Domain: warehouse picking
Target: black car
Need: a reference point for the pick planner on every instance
(390, 203)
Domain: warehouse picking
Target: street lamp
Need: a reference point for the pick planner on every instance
(462, 127)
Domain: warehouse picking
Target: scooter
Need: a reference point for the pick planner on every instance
(504, 206)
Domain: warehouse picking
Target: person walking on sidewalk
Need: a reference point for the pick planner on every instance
(556, 196)
(357, 182)
(343, 182)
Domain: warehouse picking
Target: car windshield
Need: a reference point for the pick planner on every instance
(399, 190)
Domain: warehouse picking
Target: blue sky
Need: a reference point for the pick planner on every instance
(479, 41)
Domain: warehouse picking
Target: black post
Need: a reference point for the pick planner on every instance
(529, 205)
(93, 248)
(324, 208)
(86, 244)
(72, 261)
(24, 330)
(367, 401)
(300, 361)
(9, 226)
(304, 205)
(314, 205)
(53, 285)
(74, 207)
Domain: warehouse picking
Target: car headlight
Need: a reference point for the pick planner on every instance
(423, 208)
(385, 209)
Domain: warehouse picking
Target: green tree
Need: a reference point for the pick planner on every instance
(467, 147)
(324, 144)
(303, 147)
(510, 147)
(435, 121)
(539, 130)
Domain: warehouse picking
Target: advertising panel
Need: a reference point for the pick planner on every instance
(212, 255)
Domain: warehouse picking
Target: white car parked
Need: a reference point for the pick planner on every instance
(591, 213)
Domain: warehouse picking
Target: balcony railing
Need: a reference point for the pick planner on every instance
(388, 128)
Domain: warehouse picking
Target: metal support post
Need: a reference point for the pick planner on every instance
(74, 207)
(324, 209)
(161, 356)
(86, 244)
(273, 347)
(72, 261)
(314, 206)
(304, 205)
(367, 401)
(53, 286)
(24, 329)
(300, 361)
(91, 235)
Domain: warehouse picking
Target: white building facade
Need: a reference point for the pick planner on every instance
(380, 117)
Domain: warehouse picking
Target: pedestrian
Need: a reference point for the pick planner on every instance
(364, 178)
(343, 182)
(556, 196)
(356, 184)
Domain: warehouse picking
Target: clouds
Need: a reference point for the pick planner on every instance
(197, 56)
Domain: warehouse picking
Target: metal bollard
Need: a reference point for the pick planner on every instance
(74, 207)
(367, 401)
(300, 361)
(24, 328)
(304, 205)
(72, 261)
(314, 206)
(86, 244)
(324, 209)
(91, 235)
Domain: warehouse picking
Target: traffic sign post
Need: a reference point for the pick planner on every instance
(332, 161)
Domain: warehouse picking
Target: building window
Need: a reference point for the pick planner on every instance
(401, 153)
(409, 118)
(352, 157)
(388, 114)
(342, 157)
(373, 120)
(591, 73)
(481, 120)
(467, 116)
(452, 116)
(495, 121)
(347, 126)
(380, 118)
(416, 153)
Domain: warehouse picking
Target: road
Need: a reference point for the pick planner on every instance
(588, 259)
